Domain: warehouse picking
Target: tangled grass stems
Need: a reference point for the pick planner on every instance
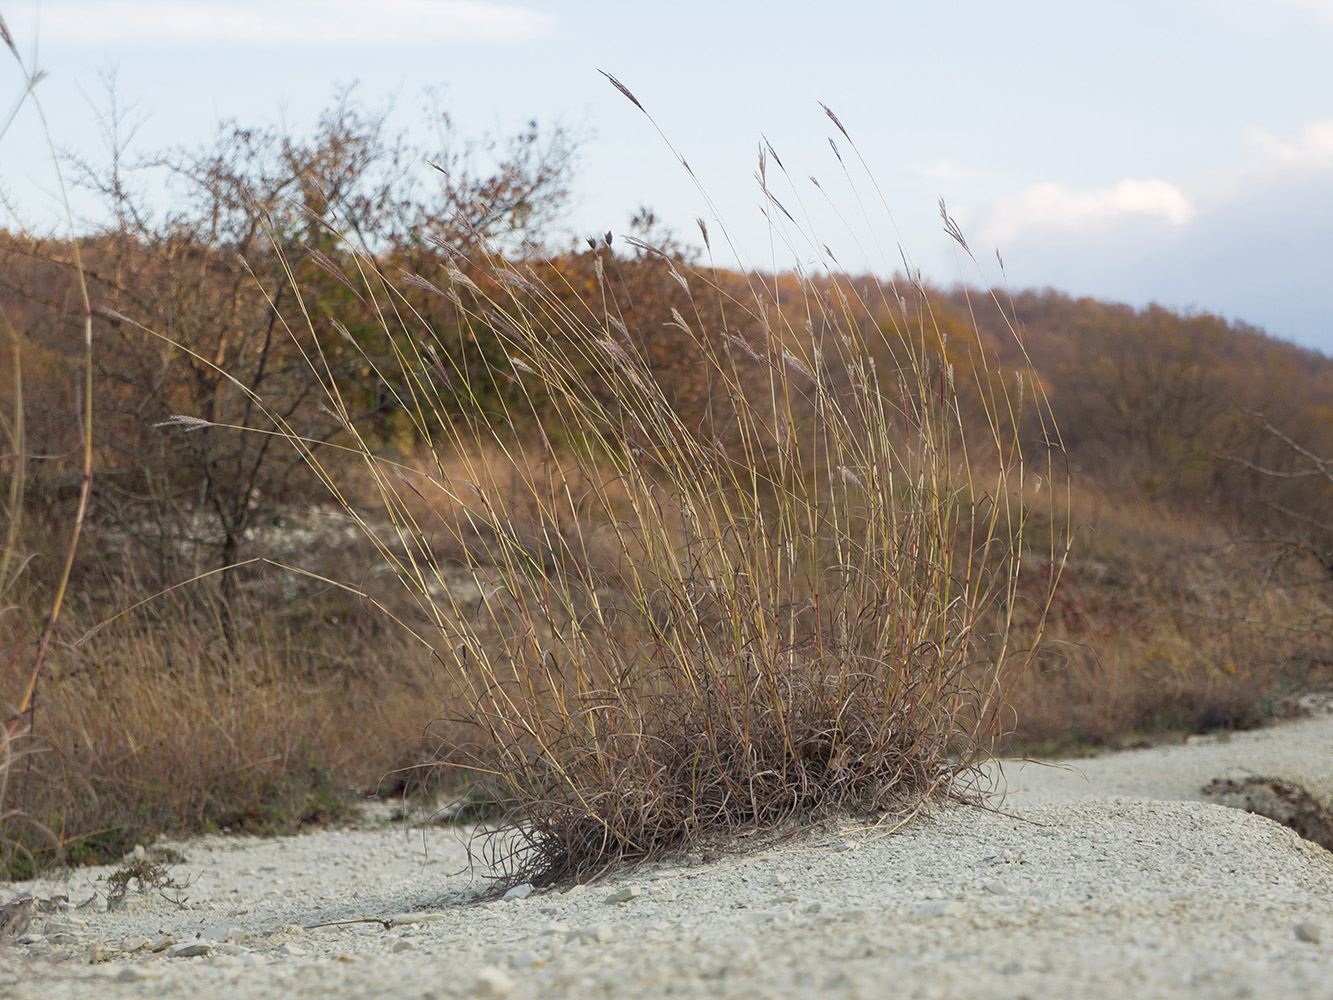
(792, 602)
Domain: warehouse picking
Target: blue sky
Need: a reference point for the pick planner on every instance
(1178, 151)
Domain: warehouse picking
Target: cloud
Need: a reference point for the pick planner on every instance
(1313, 151)
(1053, 206)
(1248, 239)
(288, 23)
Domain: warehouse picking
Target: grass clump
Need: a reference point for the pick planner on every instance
(147, 875)
(789, 602)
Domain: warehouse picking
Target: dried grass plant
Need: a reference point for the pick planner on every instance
(796, 607)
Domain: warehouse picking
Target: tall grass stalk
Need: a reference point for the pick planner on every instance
(797, 606)
(26, 656)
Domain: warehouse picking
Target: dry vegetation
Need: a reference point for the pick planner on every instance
(636, 549)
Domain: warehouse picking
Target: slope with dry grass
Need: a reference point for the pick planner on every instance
(642, 550)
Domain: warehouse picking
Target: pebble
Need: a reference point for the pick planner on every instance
(192, 950)
(596, 934)
(221, 932)
(163, 943)
(135, 942)
(401, 946)
(519, 891)
(1309, 931)
(290, 950)
(527, 960)
(938, 908)
(624, 895)
(491, 982)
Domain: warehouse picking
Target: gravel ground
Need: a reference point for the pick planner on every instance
(1111, 880)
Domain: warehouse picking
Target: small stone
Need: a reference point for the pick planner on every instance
(624, 895)
(519, 891)
(938, 908)
(1309, 932)
(163, 943)
(221, 932)
(422, 917)
(996, 888)
(597, 934)
(527, 960)
(135, 942)
(402, 946)
(292, 951)
(778, 879)
(98, 953)
(192, 950)
(491, 982)
(555, 928)
(64, 938)
(138, 974)
(665, 895)
(813, 908)
(576, 890)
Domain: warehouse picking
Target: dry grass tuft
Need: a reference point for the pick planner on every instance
(790, 602)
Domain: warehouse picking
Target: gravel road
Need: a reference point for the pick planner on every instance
(1104, 878)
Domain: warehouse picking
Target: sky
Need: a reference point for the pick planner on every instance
(1169, 151)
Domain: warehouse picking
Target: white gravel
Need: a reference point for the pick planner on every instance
(1109, 881)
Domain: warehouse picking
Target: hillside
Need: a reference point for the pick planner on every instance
(1196, 593)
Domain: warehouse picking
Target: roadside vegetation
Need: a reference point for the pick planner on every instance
(331, 480)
